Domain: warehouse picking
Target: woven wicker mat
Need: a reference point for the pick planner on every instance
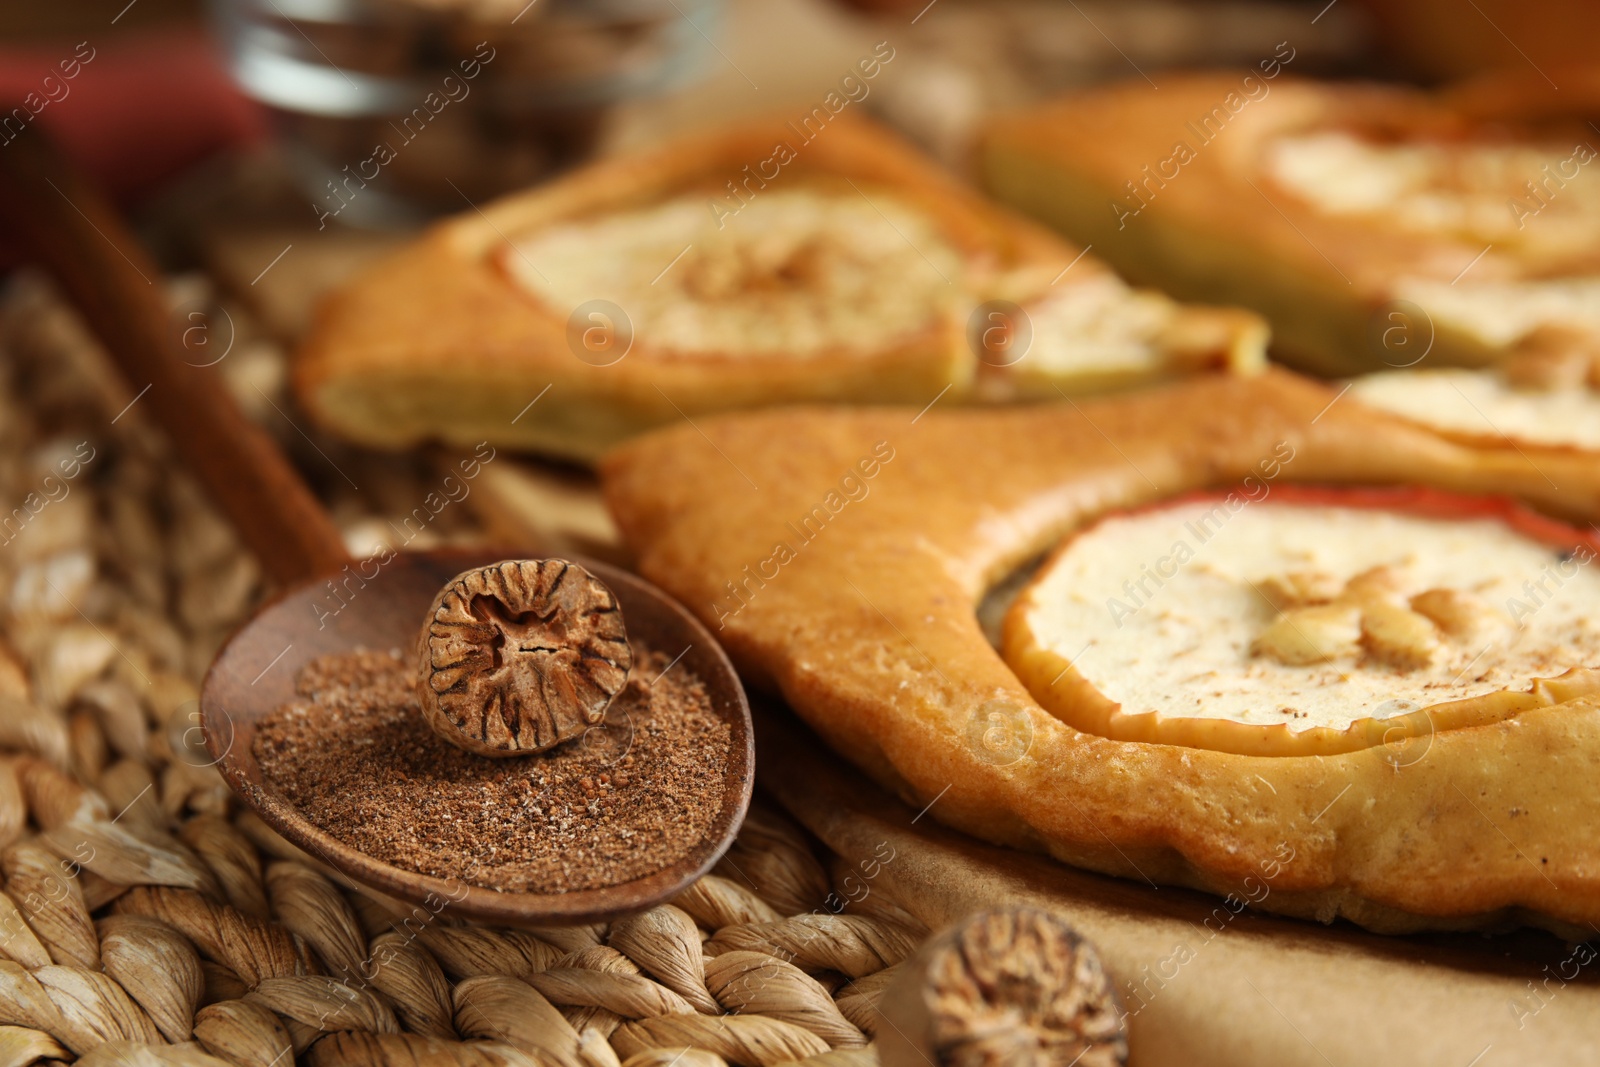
(146, 919)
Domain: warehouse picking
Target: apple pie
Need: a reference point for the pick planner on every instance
(753, 266)
(1279, 639)
(1374, 226)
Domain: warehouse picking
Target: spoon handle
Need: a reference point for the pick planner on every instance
(66, 226)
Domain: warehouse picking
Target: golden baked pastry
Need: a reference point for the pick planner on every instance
(742, 268)
(1374, 226)
(842, 555)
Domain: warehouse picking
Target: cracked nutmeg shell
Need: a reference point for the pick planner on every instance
(1013, 986)
(521, 655)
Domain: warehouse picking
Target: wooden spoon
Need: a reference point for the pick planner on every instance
(70, 230)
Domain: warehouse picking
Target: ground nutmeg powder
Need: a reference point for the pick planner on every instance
(355, 755)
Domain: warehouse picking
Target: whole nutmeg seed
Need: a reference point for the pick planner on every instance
(1010, 986)
(520, 656)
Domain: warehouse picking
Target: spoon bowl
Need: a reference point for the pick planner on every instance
(255, 672)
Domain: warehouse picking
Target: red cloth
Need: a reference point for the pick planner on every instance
(140, 110)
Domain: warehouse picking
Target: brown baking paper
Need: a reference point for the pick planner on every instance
(1243, 990)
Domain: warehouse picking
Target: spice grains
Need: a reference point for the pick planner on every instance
(631, 796)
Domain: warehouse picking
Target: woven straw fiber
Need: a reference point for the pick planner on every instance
(146, 919)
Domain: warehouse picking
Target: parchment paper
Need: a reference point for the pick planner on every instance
(1242, 991)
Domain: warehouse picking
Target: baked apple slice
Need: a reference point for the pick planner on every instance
(1309, 621)
(1526, 403)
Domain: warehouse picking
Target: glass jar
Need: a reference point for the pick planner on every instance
(392, 111)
